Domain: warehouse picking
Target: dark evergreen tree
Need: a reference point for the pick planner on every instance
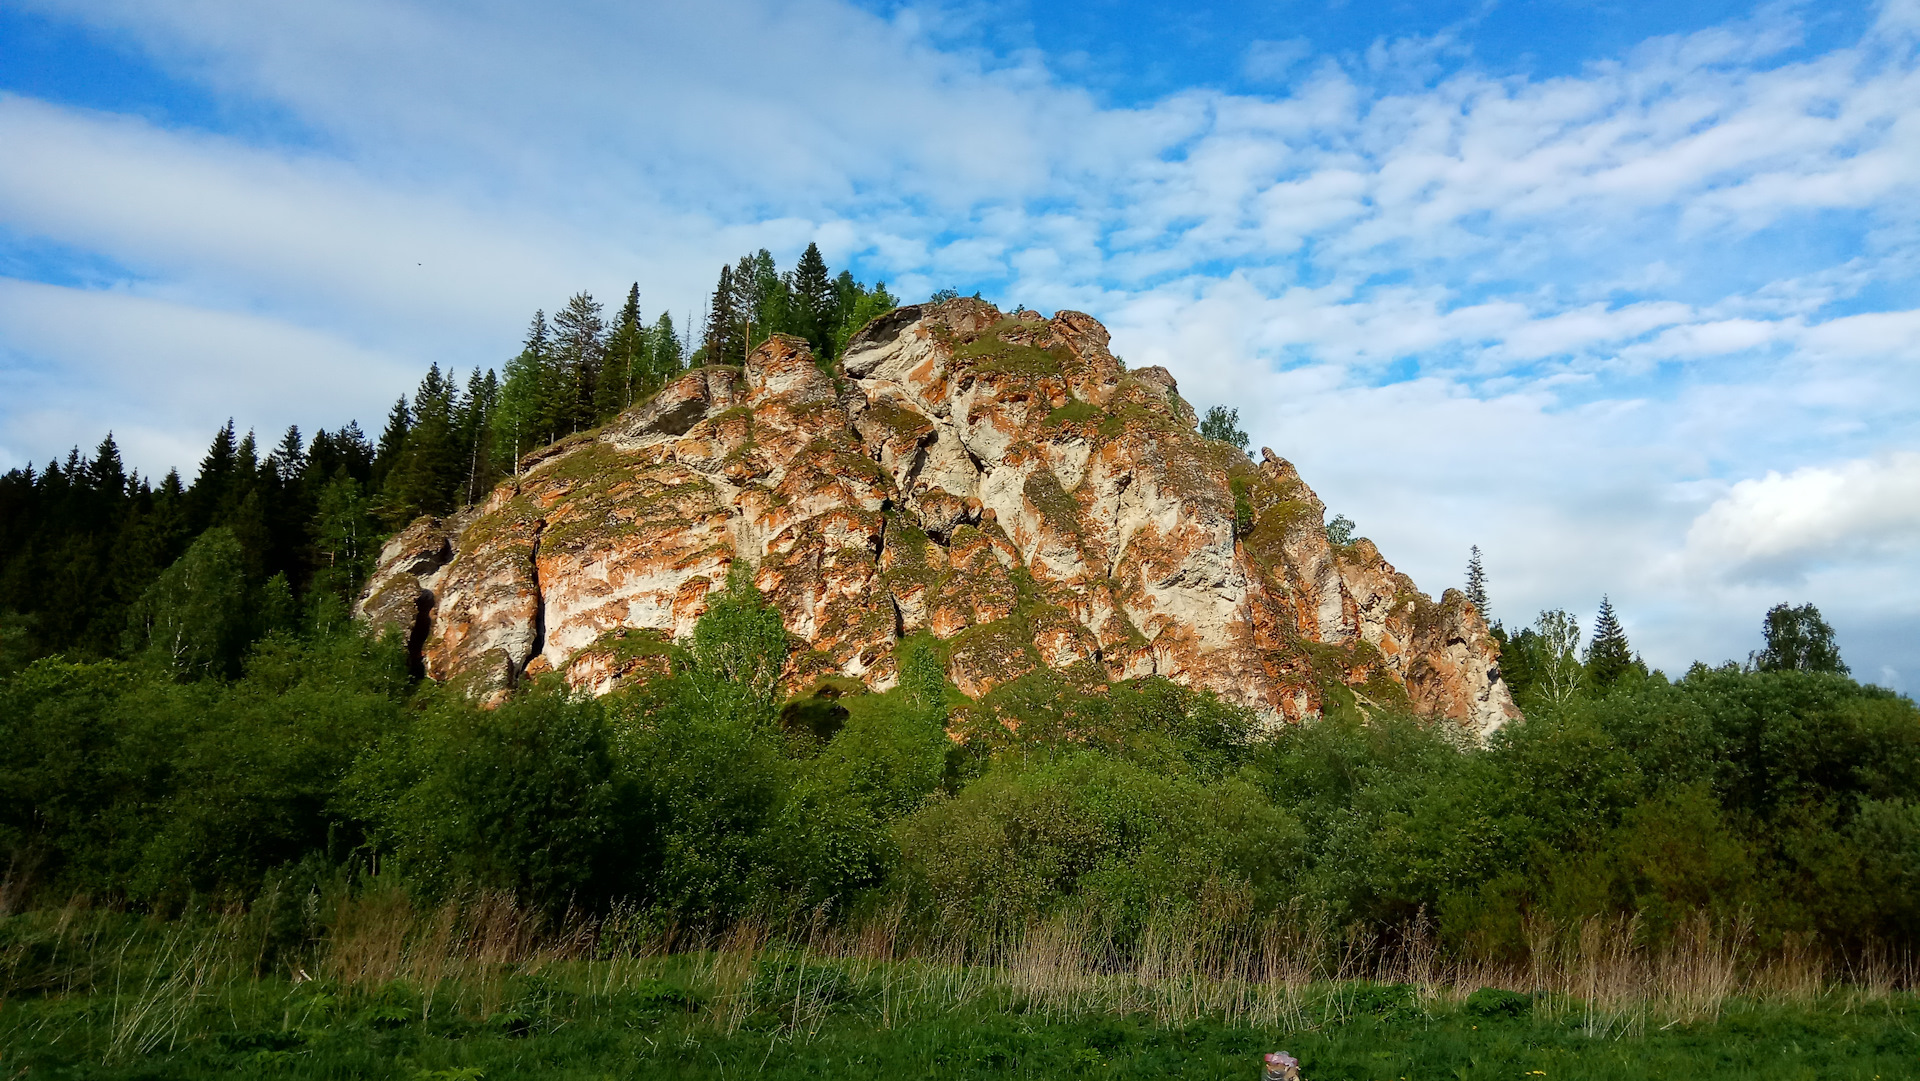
(215, 480)
(392, 441)
(429, 475)
(723, 343)
(623, 377)
(814, 301)
(668, 357)
(1798, 640)
(580, 347)
(522, 415)
(473, 435)
(1608, 655)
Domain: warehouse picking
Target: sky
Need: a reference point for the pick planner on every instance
(1627, 294)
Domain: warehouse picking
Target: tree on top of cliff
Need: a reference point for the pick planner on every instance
(722, 343)
(1608, 655)
(625, 369)
(1477, 583)
(580, 345)
(814, 300)
(1798, 640)
(521, 416)
(1223, 424)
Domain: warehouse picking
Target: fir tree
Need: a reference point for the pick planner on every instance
(1608, 655)
(1477, 583)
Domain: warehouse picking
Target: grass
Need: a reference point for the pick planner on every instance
(480, 989)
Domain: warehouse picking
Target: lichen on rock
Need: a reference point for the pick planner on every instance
(997, 480)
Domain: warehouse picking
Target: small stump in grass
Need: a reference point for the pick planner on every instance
(1281, 1067)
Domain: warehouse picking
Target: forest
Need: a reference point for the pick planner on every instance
(195, 730)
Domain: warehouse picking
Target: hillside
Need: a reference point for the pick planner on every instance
(1001, 481)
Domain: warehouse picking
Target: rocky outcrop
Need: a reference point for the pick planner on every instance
(999, 481)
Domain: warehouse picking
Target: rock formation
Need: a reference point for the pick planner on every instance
(1001, 481)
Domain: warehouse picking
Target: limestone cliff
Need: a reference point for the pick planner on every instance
(998, 480)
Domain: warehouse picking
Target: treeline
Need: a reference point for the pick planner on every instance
(83, 541)
(1784, 802)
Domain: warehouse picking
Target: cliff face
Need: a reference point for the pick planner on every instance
(998, 480)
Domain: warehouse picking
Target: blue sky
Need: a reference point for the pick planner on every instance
(1626, 294)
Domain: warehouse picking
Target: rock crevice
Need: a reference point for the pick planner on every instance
(999, 481)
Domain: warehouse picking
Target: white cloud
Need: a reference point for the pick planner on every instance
(164, 376)
(1780, 523)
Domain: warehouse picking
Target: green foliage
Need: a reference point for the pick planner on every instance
(1798, 640)
(194, 619)
(1223, 424)
(1115, 837)
(741, 640)
(523, 798)
(1340, 530)
(1609, 657)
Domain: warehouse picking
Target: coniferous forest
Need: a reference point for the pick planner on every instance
(317, 861)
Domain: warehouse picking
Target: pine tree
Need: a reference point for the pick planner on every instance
(1608, 655)
(1477, 583)
(722, 343)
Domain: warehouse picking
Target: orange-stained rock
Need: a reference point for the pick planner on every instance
(1000, 481)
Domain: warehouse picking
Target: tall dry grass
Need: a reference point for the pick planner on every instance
(791, 972)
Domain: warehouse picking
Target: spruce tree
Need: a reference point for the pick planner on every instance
(723, 323)
(521, 413)
(1477, 583)
(625, 367)
(814, 301)
(393, 440)
(666, 357)
(1608, 655)
(580, 342)
(211, 486)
